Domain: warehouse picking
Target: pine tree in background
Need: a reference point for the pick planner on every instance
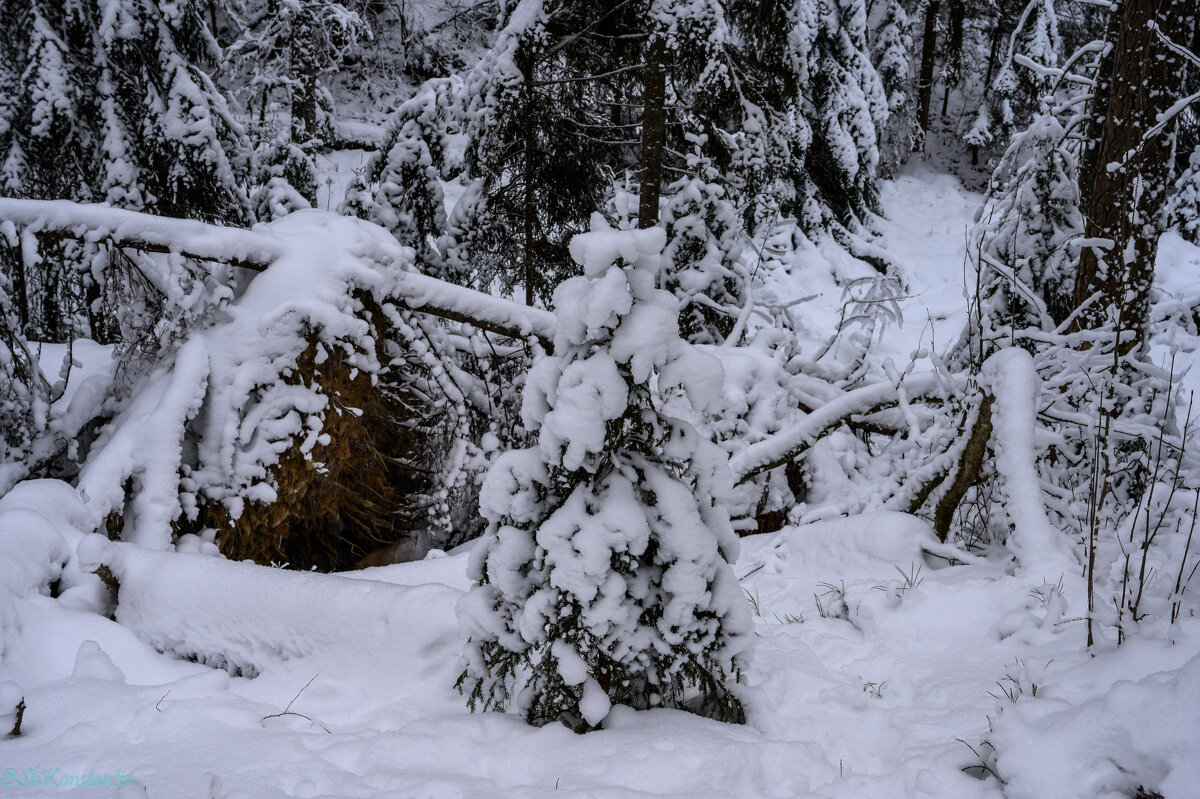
(700, 260)
(797, 131)
(111, 107)
(400, 186)
(293, 46)
(892, 55)
(1025, 75)
(540, 141)
(604, 577)
(786, 96)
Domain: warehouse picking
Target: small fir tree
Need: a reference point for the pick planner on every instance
(604, 576)
(700, 261)
(1026, 235)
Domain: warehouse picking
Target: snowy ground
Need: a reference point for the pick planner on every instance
(880, 671)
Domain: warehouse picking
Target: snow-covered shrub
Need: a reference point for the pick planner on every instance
(1024, 235)
(287, 181)
(1185, 204)
(604, 576)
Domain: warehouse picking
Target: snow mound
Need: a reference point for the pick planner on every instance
(181, 604)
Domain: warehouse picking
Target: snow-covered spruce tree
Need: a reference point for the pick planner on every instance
(1026, 73)
(1185, 204)
(892, 54)
(604, 576)
(700, 261)
(111, 106)
(400, 187)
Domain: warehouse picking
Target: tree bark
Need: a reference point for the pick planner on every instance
(925, 77)
(1125, 177)
(970, 466)
(654, 124)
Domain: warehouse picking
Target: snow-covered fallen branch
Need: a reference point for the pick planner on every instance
(256, 250)
(787, 444)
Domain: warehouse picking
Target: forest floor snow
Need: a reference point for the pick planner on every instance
(879, 670)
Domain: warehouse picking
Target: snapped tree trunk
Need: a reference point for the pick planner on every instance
(654, 123)
(925, 77)
(1125, 176)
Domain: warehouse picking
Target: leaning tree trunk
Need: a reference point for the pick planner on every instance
(654, 124)
(1125, 177)
(925, 77)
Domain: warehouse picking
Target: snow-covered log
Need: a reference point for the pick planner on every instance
(257, 249)
(1010, 376)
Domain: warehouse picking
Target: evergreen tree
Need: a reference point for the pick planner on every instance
(891, 51)
(604, 576)
(1025, 75)
(785, 94)
(1026, 236)
(294, 46)
(700, 258)
(540, 142)
(400, 186)
(111, 106)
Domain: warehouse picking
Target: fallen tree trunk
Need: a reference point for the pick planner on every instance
(256, 250)
(970, 466)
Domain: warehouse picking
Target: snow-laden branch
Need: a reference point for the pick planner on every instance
(187, 237)
(787, 444)
(257, 249)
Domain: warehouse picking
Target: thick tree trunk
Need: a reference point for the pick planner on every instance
(1124, 179)
(925, 77)
(654, 124)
